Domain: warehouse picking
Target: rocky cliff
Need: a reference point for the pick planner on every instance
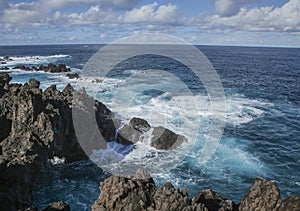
(35, 126)
(140, 193)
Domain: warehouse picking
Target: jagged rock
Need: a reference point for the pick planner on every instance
(140, 124)
(139, 193)
(164, 139)
(4, 81)
(214, 201)
(52, 68)
(291, 203)
(263, 195)
(133, 132)
(120, 193)
(169, 198)
(36, 126)
(58, 206)
(72, 75)
(142, 174)
(33, 83)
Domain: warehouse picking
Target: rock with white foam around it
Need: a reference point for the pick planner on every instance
(161, 138)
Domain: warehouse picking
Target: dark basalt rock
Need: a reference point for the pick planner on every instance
(133, 132)
(36, 126)
(58, 206)
(164, 139)
(214, 201)
(52, 68)
(72, 75)
(138, 193)
(121, 193)
(140, 124)
(291, 203)
(263, 195)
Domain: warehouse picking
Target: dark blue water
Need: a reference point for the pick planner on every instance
(261, 138)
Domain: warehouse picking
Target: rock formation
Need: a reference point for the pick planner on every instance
(161, 138)
(72, 75)
(36, 126)
(58, 206)
(265, 195)
(52, 68)
(140, 193)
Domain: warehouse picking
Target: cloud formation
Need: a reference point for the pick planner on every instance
(231, 7)
(58, 4)
(67, 19)
(285, 18)
(153, 14)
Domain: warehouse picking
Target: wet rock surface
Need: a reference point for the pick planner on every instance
(161, 138)
(37, 125)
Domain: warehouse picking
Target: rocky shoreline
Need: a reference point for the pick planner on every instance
(140, 193)
(37, 125)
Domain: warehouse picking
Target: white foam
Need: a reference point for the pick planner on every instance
(32, 60)
(56, 160)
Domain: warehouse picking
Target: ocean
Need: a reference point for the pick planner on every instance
(262, 131)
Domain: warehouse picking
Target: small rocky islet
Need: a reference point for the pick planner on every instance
(37, 125)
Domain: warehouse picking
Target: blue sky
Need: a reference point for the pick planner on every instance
(208, 22)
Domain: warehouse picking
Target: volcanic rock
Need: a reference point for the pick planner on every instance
(132, 132)
(214, 201)
(58, 206)
(36, 126)
(52, 68)
(72, 75)
(263, 195)
(165, 139)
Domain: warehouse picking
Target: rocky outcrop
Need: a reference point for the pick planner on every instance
(133, 131)
(214, 201)
(36, 126)
(161, 138)
(52, 68)
(58, 206)
(165, 139)
(72, 75)
(265, 195)
(140, 193)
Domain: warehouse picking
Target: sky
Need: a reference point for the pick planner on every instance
(204, 22)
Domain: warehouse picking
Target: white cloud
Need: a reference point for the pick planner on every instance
(57, 4)
(153, 14)
(285, 18)
(22, 14)
(231, 7)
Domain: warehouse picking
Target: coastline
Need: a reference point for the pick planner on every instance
(50, 133)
